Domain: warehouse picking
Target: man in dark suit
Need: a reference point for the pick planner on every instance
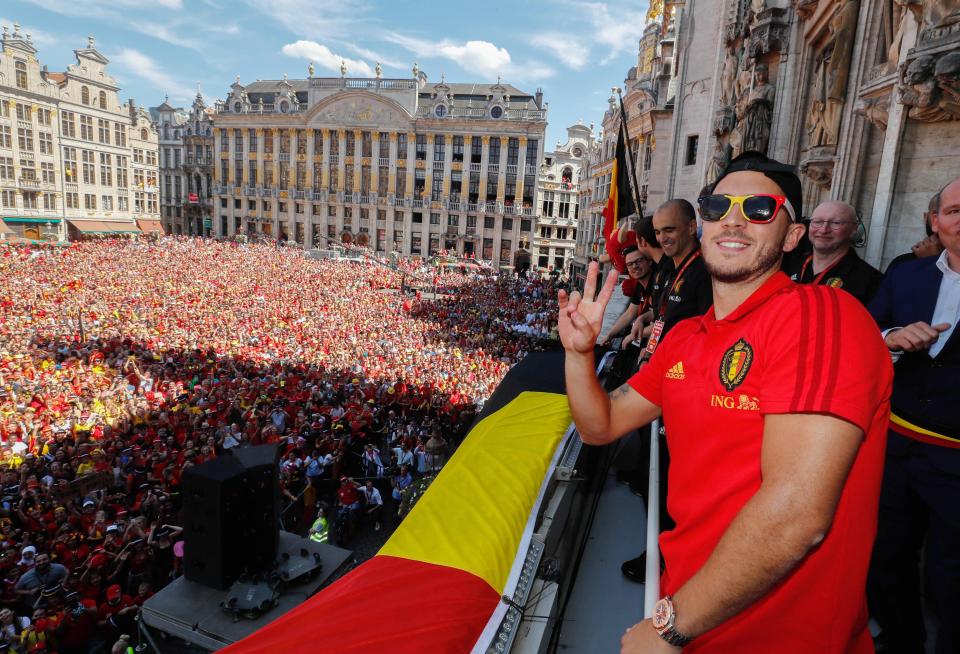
(918, 308)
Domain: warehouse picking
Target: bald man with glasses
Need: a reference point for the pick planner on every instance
(834, 262)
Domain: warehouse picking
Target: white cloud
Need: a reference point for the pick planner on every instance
(38, 37)
(137, 64)
(376, 56)
(232, 28)
(324, 58)
(172, 35)
(322, 20)
(617, 26)
(480, 57)
(564, 47)
(169, 4)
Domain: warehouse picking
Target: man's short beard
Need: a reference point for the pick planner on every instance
(769, 258)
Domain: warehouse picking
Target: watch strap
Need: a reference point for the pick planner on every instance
(674, 637)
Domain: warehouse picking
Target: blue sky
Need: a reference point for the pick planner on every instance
(574, 49)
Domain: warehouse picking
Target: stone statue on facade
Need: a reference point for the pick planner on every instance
(719, 160)
(817, 125)
(758, 115)
(947, 72)
(728, 79)
(901, 13)
(875, 110)
(920, 91)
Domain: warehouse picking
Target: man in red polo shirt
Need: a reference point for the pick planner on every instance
(775, 405)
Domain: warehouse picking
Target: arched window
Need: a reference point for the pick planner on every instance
(103, 99)
(21, 75)
(567, 175)
(143, 134)
(84, 95)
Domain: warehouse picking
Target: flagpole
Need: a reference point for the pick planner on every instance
(629, 155)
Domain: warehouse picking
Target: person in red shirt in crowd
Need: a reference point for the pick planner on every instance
(776, 446)
(116, 613)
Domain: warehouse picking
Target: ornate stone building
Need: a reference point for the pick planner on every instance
(394, 163)
(73, 159)
(186, 167)
(862, 95)
(559, 203)
(31, 182)
(648, 96)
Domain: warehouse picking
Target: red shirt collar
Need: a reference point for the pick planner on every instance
(776, 283)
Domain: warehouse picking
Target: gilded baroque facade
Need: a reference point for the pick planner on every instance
(74, 160)
(186, 167)
(395, 164)
(559, 203)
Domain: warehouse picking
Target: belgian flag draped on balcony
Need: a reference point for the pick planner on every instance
(620, 203)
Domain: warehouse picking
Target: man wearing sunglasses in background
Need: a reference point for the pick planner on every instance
(776, 440)
(834, 262)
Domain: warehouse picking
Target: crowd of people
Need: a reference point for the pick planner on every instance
(123, 363)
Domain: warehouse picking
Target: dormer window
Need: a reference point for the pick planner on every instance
(236, 107)
(21, 75)
(84, 95)
(284, 107)
(103, 99)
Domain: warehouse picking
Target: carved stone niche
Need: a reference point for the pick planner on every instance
(770, 32)
(818, 165)
(724, 120)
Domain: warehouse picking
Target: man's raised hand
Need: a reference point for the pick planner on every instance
(581, 317)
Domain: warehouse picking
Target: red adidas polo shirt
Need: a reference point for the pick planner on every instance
(787, 349)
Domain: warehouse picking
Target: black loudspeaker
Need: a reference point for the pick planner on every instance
(231, 513)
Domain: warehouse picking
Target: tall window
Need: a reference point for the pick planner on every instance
(421, 146)
(70, 164)
(89, 201)
(6, 137)
(122, 174)
(238, 140)
(267, 141)
(46, 173)
(6, 168)
(438, 148)
(85, 96)
(106, 174)
(402, 145)
(513, 151)
(531, 151)
(67, 125)
(144, 134)
(25, 139)
(494, 157)
(103, 99)
(21, 75)
(89, 177)
(119, 134)
(86, 128)
(458, 148)
(476, 150)
(103, 131)
(43, 117)
(251, 138)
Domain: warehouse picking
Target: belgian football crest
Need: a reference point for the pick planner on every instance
(736, 364)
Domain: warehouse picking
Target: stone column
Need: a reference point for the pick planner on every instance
(484, 159)
(447, 163)
(325, 164)
(889, 161)
(521, 164)
(357, 162)
(392, 170)
(411, 161)
(341, 159)
(374, 169)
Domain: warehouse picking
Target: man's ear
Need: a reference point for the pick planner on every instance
(795, 232)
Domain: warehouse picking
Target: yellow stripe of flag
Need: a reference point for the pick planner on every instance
(473, 515)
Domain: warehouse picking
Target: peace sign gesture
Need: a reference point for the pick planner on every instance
(582, 316)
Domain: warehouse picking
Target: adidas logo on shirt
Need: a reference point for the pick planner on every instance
(676, 372)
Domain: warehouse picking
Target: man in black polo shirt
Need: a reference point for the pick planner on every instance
(687, 290)
(833, 261)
